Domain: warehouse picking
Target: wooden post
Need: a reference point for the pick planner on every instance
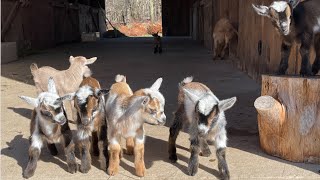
(289, 117)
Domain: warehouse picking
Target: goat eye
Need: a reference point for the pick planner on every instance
(153, 111)
(46, 113)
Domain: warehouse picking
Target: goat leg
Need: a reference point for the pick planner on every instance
(70, 155)
(221, 144)
(85, 156)
(316, 64)
(103, 148)
(34, 154)
(285, 53)
(114, 159)
(193, 164)
(174, 132)
(205, 150)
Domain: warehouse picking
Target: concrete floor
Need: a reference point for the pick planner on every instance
(134, 58)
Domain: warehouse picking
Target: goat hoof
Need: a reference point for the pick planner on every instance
(113, 171)
(28, 173)
(304, 74)
(173, 158)
(85, 168)
(192, 169)
(205, 153)
(140, 171)
(72, 168)
(225, 174)
(315, 69)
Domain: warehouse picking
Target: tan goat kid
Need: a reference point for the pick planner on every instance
(222, 34)
(91, 124)
(126, 114)
(67, 81)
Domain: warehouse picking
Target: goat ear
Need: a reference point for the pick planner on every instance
(227, 103)
(52, 86)
(68, 97)
(294, 3)
(71, 59)
(32, 101)
(101, 92)
(194, 98)
(261, 10)
(91, 60)
(156, 85)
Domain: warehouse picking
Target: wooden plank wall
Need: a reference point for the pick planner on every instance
(254, 31)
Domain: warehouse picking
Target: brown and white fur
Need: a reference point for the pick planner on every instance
(126, 114)
(296, 22)
(91, 124)
(67, 81)
(223, 33)
(202, 113)
(48, 124)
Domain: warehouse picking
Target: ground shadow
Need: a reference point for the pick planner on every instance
(22, 111)
(157, 150)
(251, 144)
(18, 150)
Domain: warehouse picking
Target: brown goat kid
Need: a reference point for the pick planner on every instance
(222, 34)
(91, 124)
(126, 114)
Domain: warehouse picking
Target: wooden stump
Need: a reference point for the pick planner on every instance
(289, 117)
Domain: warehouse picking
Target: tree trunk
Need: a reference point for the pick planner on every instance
(289, 117)
(151, 10)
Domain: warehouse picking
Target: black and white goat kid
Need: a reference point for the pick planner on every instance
(296, 22)
(202, 113)
(48, 124)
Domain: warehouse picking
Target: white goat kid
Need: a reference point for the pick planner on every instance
(48, 123)
(202, 113)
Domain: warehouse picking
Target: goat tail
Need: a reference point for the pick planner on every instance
(186, 81)
(120, 78)
(33, 68)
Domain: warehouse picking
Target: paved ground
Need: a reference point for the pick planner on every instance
(134, 58)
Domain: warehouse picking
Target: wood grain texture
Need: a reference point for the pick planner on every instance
(289, 118)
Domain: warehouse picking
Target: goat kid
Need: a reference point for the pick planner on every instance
(126, 114)
(157, 43)
(48, 123)
(296, 22)
(223, 32)
(202, 113)
(67, 81)
(91, 124)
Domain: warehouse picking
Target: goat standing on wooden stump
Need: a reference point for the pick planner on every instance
(296, 21)
(91, 123)
(126, 114)
(203, 114)
(48, 123)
